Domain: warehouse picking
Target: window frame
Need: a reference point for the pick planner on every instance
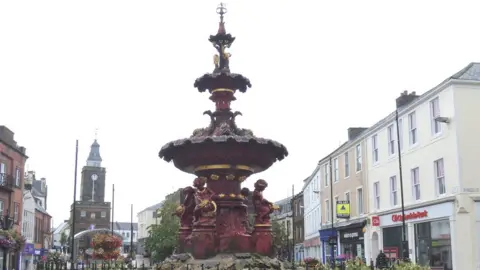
(415, 175)
(393, 190)
(436, 127)
(360, 200)
(376, 195)
(16, 211)
(327, 211)
(375, 148)
(391, 139)
(326, 173)
(358, 158)
(17, 177)
(336, 175)
(83, 213)
(346, 165)
(439, 178)
(412, 128)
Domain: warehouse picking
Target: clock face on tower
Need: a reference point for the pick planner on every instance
(94, 177)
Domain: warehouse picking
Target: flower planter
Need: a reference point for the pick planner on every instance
(106, 246)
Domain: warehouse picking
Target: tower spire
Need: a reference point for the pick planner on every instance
(221, 10)
(94, 159)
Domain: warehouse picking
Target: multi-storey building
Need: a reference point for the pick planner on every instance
(39, 190)
(28, 227)
(12, 163)
(438, 146)
(43, 231)
(92, 211)
(128, 233)
(61, 231)
(298, 223)
(284, 217)
(146, 218)
(343, 175)
(312, 215)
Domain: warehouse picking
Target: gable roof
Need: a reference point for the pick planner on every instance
(154, 207)
(124, 226)
(470, 73)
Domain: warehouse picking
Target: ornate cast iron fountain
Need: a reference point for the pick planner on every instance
(214, 214)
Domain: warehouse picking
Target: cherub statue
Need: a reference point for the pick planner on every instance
(222, 59)
(263, 208)
(185, 210)
(205, 209)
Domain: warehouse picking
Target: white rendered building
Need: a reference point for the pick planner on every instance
(312, 215)
(439, 147)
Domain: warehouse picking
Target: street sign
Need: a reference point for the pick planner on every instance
(343, 209)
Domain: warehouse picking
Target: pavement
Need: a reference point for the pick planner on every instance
(141, 260)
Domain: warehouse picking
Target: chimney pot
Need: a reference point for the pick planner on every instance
(405, 99)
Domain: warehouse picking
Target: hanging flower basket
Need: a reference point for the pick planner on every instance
(19, 241)
(106, 246)
(11, 240)
(311, 262)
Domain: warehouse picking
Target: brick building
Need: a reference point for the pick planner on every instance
(43, 228)
(298, 224)
(12, 163)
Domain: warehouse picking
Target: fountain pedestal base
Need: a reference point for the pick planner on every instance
(262, 240)
(203, 241)
(183, 235)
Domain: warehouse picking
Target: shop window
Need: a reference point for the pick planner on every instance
(433, 244)
(392, 241)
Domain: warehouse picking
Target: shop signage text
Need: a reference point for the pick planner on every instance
(375, 221)
(350, 235)
(411, 215)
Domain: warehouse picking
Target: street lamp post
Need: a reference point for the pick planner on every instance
(404, 246)
(131, 232)
(7, 223)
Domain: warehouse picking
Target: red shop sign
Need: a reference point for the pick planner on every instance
(375, 221)
(411, 215)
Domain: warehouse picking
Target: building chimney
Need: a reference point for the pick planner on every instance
(405, 98)
(6, 135)
(353, 132)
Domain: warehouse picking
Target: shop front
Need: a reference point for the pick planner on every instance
(311, 248)
(328, 237)
(352, 243)
(27, 257)
(428, 231)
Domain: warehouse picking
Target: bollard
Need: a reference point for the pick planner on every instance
(203, 267)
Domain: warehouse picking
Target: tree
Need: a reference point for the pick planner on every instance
(63, 239)
(163, 237)
(280, 239)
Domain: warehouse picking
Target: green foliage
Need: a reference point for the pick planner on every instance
(63, 238)
(279, 234)
(162, 239)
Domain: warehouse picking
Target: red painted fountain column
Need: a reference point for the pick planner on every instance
(231, 220)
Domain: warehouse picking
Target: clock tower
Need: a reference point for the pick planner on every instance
(91, 211)
(93, 177)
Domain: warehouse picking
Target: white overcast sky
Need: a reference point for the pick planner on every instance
(128, 67)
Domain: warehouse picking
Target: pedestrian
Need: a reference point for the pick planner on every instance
(382, 261)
